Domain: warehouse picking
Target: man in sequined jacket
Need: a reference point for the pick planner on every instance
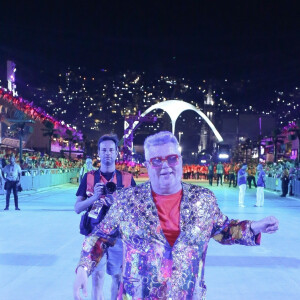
(165, 227)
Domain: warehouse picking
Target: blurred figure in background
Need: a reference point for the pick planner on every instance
(292, 181)
(210, 174)
(260, 186)
(242, 182)
(251, 176)
(220, 172)
(285, 182)
(87, 167)
(231, 176)
(1, 179)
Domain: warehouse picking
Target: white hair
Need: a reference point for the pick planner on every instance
(160, 138)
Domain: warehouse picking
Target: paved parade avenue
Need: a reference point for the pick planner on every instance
(40, 247)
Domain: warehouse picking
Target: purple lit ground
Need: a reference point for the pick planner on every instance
(40, 246)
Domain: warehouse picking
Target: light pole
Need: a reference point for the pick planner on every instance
(180, 133)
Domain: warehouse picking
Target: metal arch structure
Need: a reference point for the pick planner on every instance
(130, 125)
(174, 108)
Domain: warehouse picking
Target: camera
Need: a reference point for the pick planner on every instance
(109, 188)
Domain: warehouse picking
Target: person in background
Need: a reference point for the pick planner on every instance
(210, 174)
(220, 172)
(260, 186)
(87, 167)
(242, 183)
(277, 173)
(137, 170)
(185, 171)
(12, 175)
(285, 182)
(226, 172)
(231, 173)
(2, 181)
(3, 162)
(251, 176)
(292, 181)
(198, 171)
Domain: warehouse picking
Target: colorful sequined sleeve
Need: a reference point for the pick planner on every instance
(103, 236)
(229, 232)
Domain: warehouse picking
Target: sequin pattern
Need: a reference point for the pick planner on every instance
(152, 269)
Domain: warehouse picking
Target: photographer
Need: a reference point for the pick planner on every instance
(92, 192)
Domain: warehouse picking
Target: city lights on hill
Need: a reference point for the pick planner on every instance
(81, 98)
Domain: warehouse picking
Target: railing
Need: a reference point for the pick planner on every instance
(275, 185)
(33, 179)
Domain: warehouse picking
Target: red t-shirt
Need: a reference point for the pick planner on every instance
(168, 207)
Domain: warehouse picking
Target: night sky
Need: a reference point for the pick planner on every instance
(198, 39)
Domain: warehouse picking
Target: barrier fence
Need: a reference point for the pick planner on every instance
(275, 185)
(40, 178)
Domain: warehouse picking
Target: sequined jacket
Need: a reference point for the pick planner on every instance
(152, 269)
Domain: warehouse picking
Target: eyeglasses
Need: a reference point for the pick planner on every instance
(157, 162)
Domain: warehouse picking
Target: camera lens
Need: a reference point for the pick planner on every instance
(111, 187)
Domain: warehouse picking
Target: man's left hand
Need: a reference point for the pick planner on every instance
(265, 225)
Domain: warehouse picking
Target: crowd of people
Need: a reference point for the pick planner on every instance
(213, 172)
(286, 173)
(37, 160)
(12, 168)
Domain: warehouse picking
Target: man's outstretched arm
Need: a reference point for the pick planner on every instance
(246, 232)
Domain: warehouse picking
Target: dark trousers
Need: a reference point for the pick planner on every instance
(11, 185)
(284, 187)
(219, 177)
(250, 180)
(292, 183)
(210, 178)
(232, 180)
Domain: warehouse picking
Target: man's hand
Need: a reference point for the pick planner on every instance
(99, 190)
(81, 281)
(265, 225)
